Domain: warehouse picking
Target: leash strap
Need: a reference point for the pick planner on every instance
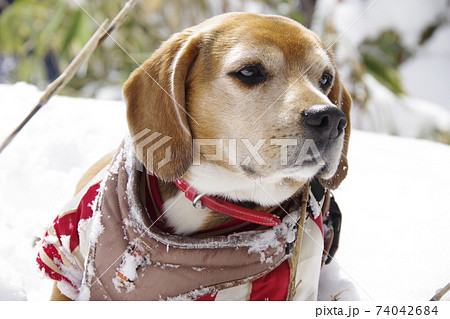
(221, 206)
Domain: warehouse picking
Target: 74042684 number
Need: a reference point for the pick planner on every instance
(407, 310)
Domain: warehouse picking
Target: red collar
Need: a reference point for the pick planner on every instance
(220, 205)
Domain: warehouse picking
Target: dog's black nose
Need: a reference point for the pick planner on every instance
(326, 120)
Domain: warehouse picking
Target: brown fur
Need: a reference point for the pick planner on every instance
(94, 170)
(155, 104)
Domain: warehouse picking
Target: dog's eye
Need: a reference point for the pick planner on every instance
(251, 74)
(325, 80)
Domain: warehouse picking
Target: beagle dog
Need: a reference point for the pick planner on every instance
(246, 107)
(250, 81)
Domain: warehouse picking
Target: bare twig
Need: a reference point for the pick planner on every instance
(56, 86)
(441, 292)
(298, 244)
(338, 295)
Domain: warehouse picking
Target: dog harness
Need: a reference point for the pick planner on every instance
(109, 243)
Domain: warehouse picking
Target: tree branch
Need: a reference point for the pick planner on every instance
(441, 292)
(67, 75)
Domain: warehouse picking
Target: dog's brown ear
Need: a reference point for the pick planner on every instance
(342, 99)
(156, 110)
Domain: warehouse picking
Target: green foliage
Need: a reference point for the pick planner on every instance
(31, 29)
(429, 31)
(382, 56)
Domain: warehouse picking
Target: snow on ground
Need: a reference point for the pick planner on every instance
(395, 201)
(396, 213)
(39, 170)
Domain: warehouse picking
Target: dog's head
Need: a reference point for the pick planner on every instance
(258, 96)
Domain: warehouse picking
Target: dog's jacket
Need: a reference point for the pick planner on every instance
(106, 246)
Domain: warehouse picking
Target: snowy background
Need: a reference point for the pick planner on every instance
(395, 200)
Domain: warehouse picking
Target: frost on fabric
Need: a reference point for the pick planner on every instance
(67, 289)
(92, 229)
(260, 242)
(314, 205)
(96, 227)
(73, 272)
(114, 167)
(49, 240)
(131, 164)
(89, 229)
(132, 260)
(164, 266)
(192, 295)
